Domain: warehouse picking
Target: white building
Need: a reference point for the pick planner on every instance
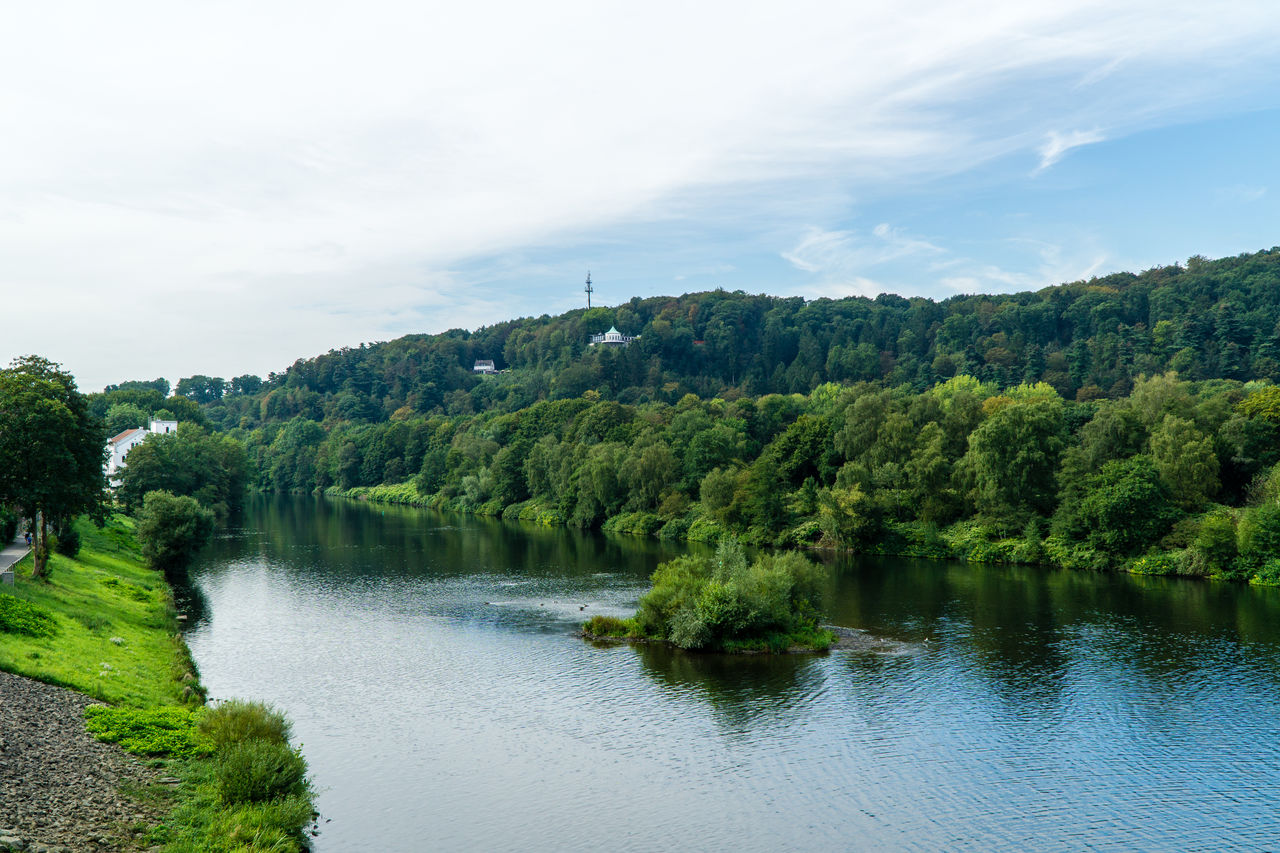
(612, 338)
(119, 446)
(484, 366)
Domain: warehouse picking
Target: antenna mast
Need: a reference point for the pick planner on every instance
(589, 290)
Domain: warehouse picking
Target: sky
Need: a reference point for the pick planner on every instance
(224, 188)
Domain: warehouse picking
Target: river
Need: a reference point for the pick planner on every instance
(443, 702)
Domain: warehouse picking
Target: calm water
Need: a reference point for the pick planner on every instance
(429, 665)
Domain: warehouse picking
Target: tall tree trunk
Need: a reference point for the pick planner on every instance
(39, 546)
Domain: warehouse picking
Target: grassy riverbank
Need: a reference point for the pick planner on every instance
(103, 624)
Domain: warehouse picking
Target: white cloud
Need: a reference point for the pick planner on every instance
(846, 252)
(1058, 144)
(1051, 265)
(295, 176)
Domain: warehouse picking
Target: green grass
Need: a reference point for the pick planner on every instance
(112, 634)
(610, 626)
(24, 618)
(103, 624)
(237, 721)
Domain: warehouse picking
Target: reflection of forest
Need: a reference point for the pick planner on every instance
(355, 539)
(743, 691)
(1031, 634)
(1027, 629)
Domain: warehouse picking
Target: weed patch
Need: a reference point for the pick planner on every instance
(159, 731)
(23, 617)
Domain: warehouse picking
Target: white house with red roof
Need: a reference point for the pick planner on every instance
(118, 446)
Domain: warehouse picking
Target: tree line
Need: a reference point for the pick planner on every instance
(53, 452)
(1177, 473)
(1087, 340)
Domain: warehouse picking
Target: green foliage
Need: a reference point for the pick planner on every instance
(173, 529)
(1263, 404)
(1186, 460)
(713, 603)
(610, 626)
(237, 720)
(1154, 564)
(22, 617)
(1268, 575)
(1258, 538)
(125, 416)
(1120, 510)
(1215, 542)
(51, 448)
(66, 538)
(156, 731)
(205, 824)
(257, 771)
(191, 462)
(1013, 459)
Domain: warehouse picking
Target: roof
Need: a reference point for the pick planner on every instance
(613, 330)
(122, 436)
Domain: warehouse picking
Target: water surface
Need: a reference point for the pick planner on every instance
(430, 667)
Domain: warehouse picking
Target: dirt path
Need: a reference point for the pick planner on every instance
(59, 786)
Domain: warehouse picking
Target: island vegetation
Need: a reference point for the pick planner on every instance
(729, 604)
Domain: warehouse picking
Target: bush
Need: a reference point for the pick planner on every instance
(257, 771)
(22, 617)
(161, 731)
(1154, 564)
(1269, 574)
(609, 626)
(1259, 534)
(237, 721)
(727, 603)
(1215, 542)
(172, 529)
(66, 539)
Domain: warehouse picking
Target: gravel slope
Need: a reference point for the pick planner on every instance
(58, 786)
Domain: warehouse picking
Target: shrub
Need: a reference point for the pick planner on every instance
(66, 539)
(609, 626)
(23, 617)
(727, 603)
(257, 771)
(1269, 574)
(675, 529)
(1215, 542)
(237, 721)
(1259, 534)
(1154, 564)
(160, 731)
(172, 529)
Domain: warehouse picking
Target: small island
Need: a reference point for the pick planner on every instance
(726, 604)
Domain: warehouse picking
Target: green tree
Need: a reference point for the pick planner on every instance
(213, 469)
(201, 389)
(51, 449)
(1013, 456)
(1186, 461)
(172, 529)
(123, 416)
(1120, 510)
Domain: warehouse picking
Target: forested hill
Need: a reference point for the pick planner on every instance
(1207, 319)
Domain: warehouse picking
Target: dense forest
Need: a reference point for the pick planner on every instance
(1125, 421)
(1088, 340)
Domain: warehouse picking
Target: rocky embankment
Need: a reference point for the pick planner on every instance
(60, 788)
